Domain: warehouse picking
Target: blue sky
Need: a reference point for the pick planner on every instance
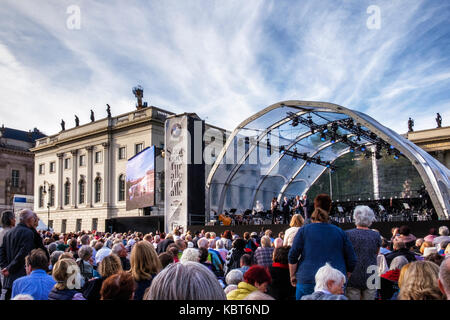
(224, 60)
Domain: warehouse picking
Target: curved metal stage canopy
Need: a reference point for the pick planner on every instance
(257, 159)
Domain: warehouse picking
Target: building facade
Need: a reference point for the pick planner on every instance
(16, 164)
(434, 141)
(80, 173)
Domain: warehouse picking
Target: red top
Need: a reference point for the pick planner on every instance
(392, 275)
(280, 265)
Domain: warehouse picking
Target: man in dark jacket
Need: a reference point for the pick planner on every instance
(17, 244)
(286, 210)
(162, 245)
(399, 250)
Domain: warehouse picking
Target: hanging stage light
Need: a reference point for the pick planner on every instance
(363, 148)
(352, 149)
(295, 122)
(323, 137)
(282, 148)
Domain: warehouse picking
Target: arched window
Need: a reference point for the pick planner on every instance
(41, 197)
(98, 189)
(67, 193)
(51, 199)
(121, 187)
(81, 188)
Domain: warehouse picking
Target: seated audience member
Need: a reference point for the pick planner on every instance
(443, 237)
(425, 244)
(384, 246)
(263, 255)
(84, 262)
(166, 259)
(406, 236)
(203, 258)
(145, 265)
(329, 285)
(233, 278)
(190, 254)
(119, 286)
(444, 278)
(417, 246)
(281, 288)
(37, 283)
(256, 278)
(120, 250)
(434, 257)
(68, 281)
(389, 280)
(420, 282)
(199, 283)
(246, 263)
(108, 266)
(399, 250)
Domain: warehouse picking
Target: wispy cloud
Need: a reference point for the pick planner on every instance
(223, 59)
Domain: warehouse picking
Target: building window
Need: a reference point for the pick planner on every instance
(50, 224)
(51, 199)
(94, 224)
(121, 187)
(82, 160)
(66, 193)
(41, 168)
(138, 148)
(78, 227)
(67, 163)
(63, 225)
(41, 197)
(15, 178)
(98, 189)
(98, 157)
(52, 167)
(122, 153)
(81, 186)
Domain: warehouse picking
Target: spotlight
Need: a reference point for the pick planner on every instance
(304, 156)
(323, 137)
(392, 147)
(282, 148)
(363, 148)
(333, 139)
(295, 122)
(352, 149)
(328, 164)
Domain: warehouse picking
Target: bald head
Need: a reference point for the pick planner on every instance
(444, 277)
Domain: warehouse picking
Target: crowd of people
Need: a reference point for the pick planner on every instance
(312, 260)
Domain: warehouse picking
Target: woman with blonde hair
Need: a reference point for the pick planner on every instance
(68, 281)
(297, 222)
(109, 266)
(145, 265)
(420, 282)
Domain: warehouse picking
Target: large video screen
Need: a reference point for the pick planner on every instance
(141, 180)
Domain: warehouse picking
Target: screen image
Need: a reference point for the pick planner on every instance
(140, 182)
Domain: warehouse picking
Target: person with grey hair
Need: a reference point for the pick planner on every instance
(85, 262)
(185, 281)
(52, 247)
(17, 244)
(258, 295)
(443, 237)
(235, 276)
(366, 244)
(329, 285)
(190, 254)
(54, 257)
(120, 250)
(444, 277)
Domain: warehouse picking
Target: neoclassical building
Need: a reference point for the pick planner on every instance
(80, 172)
(16, 164)
(435, 141)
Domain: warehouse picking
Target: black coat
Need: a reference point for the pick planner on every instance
(281, 288)
(17, 244)
(401, 252)
(162, 246)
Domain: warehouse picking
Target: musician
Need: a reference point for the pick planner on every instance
(298, 205)
(286, 209)
(305, 204)
(274, 209)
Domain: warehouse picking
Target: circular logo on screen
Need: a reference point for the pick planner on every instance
(176, 130)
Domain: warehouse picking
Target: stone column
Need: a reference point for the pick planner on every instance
(89, 181)
(74, 178)
(60, 180)
(107, 176)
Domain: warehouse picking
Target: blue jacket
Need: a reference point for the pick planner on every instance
(38, 284)
(318, 243)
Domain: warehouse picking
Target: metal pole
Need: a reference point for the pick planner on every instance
(331, 185)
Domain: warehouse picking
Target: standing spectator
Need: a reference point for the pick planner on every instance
(329, 285)
(145, 265)
(366, 244)
(190, 254)
(120, 250)
(296, 223)
(163, 244)
(316, 244)
(444, 278)
(119, 286)
(420, 282)
(406, 236)
(17, 244)
(203, 257)
(256, 278)
(226, 239)
(251, 245)
(8, 221)
(37, 283)
(221, 250)
(166, 259)
(213, 257)
(281, 288)
(234, 255)
(199, 283)
(263, 255)
(68, 281)
(305, 205)
(107, 267)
